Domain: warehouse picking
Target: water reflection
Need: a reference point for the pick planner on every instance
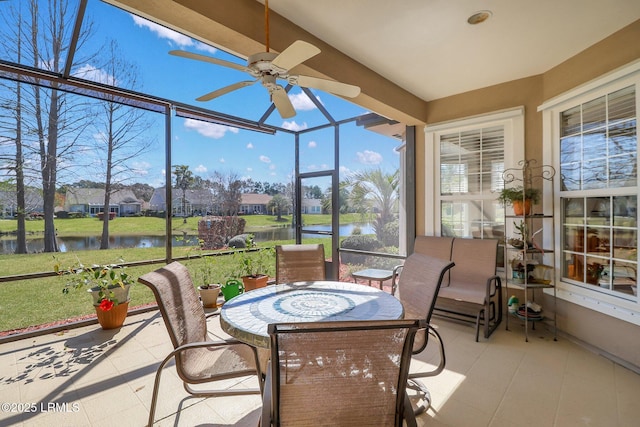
(73, 244)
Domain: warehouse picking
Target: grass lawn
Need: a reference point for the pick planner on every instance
(33, 302)
(156, 226)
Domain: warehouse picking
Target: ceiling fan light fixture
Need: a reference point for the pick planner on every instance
(479, 17)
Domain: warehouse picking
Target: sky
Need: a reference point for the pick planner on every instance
(206, 147)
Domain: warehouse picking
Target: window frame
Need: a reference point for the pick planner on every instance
(617, 306)
(513, 122)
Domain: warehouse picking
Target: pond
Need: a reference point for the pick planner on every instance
(83, 243)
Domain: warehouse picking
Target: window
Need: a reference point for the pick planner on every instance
(468, 164)
(468, 157)
(598, 152)
(593, 136)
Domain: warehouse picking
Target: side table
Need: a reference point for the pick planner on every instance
(373, 274)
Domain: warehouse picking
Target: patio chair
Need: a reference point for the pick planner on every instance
(351, 373)
(300, 263)
(198, 359)
(417, 288)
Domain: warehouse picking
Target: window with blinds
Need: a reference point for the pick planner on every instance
(471, 164)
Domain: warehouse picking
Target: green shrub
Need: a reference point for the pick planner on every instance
(359, 242)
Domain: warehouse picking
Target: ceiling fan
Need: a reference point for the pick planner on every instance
(267, 67)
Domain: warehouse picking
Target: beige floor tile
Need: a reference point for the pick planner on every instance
(496, 382)
(584, 401)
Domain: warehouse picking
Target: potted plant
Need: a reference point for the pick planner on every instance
(208, 276)
(522, 230)
(254, 267)
(519, 198)
(109, 287)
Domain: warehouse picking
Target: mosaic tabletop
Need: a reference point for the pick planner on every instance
(246, 316)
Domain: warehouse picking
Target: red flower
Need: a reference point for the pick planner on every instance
(106, 305)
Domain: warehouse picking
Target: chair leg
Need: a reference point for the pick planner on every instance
(414, 384)
(409, 416)
(156, 389)
(425, 397)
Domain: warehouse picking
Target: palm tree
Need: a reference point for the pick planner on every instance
(184, 180)
(373, 190)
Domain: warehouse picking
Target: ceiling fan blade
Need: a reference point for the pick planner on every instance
(282, 102)
(219, 92)
(298, 52)
(343, 89)
(198, 57)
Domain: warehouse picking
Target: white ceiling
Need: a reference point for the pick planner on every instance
(428, 48)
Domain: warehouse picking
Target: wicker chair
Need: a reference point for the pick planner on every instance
(339, 373)
(417, 288)
(198, 360)
(299, 263)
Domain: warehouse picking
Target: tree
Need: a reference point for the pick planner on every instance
(374, 191)
(49, 122)
(120, 130)
(312, 192)
(184, 179)
(227, 190)
(343, 200)
(15, 111)
(279, 203)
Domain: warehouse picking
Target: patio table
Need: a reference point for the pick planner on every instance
(247, 316)
(373, 274)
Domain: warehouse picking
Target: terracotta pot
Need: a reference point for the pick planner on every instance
(520, 209)
(113, 318)
(251, 283)
(209, 295)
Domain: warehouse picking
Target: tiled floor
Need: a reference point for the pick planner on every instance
(91, 377)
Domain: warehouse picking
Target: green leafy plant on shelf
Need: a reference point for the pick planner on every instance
(508, 195)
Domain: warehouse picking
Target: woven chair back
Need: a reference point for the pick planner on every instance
(340, 373)
(418, 287)
(178, 303)
(300, 263)
(477, 259)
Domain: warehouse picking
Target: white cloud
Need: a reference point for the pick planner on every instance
(201, 169)
(141, 168)
(89, 72)
(312, 144)
(174, 37)
(265, 159)
(249, 169)
(249, 146)
(301, 101)
(344, 170)
(272, 167)
(210, 130)
(205, 47)
(221, 160)
(294, 126)
(368, 157)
